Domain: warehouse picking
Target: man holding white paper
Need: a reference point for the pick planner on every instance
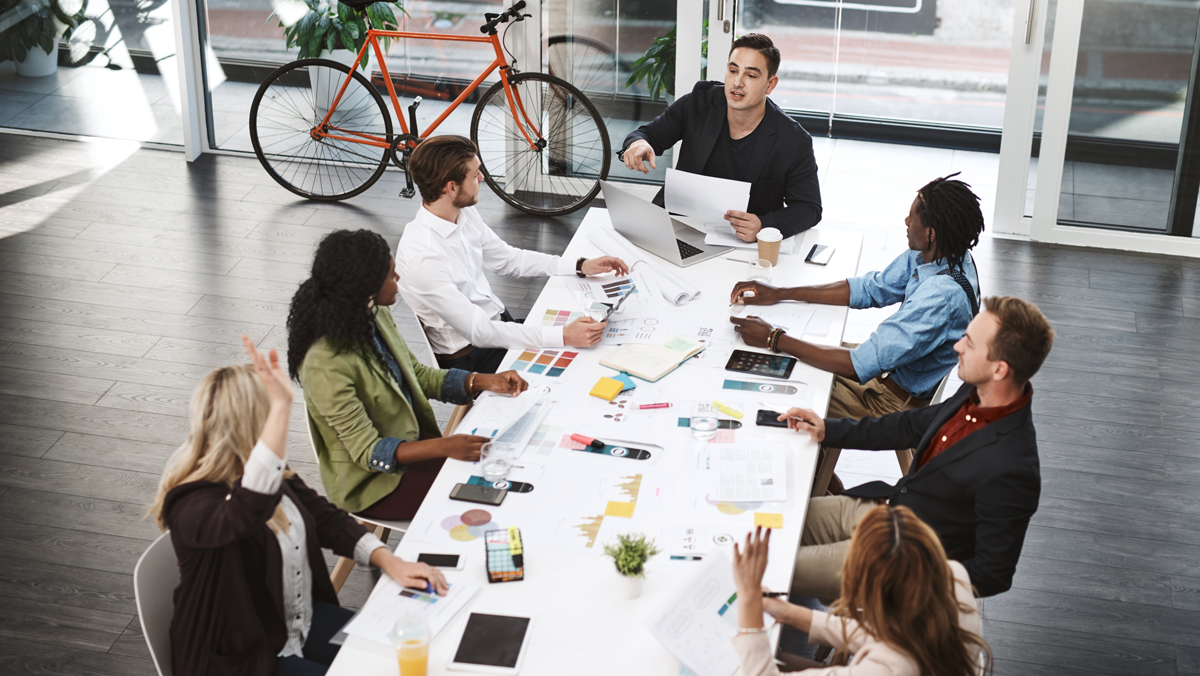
(733, 131)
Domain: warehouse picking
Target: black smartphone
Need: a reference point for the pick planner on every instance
(770, 419)
(770, 365)
(481, 494)
(451, 561)
(819, 254)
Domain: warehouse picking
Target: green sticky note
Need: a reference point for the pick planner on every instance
(678, 344)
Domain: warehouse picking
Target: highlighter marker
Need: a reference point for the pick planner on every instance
(587, 441)
(727, 410)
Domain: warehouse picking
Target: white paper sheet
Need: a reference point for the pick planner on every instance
(493, 414)
(698, 622)
(377, 619)
(795, 317)
(721, 233)
(741, 473)
(671, 286)
(704, 197)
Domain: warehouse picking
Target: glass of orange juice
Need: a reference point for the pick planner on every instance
(411, 640)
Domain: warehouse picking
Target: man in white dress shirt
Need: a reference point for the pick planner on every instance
(444, 252)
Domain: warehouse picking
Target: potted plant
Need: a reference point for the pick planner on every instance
(333, 30)
(657, 65)
(630, 555)
(33, 30)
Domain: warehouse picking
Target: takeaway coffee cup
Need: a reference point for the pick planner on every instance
(768, 244)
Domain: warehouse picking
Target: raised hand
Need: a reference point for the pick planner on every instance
(750, 563)
(272, 374)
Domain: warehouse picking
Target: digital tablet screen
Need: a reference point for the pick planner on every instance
(492, 640)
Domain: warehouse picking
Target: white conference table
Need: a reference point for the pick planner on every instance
(581, 624)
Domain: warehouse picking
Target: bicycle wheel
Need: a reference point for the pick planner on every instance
(286, 114)
(596, 70)
(562, 172)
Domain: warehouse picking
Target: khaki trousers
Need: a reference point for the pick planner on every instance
(849, 399)
(824, 543)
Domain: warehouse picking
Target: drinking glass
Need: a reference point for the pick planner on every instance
(495, 460)
(704, 422)
(410, 637)
(760, 270)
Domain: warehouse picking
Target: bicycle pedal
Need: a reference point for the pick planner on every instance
(408, 192)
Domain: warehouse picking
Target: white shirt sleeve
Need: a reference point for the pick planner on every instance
(366, 544)
(430, 282)
(504, 259)
(264, 470)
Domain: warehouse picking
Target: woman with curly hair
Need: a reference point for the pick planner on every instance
(904, 610)
(366, 395)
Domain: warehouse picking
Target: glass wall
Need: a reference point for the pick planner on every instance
(114, 76)
(917, 60)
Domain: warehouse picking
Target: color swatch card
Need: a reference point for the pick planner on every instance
(550, 363)
(559, 318)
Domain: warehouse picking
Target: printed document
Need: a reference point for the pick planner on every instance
(748, 473)
(704, 197)
(376, 620)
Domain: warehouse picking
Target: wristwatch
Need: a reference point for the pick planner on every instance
(579, 267)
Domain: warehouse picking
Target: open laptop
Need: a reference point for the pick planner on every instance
(650, 226)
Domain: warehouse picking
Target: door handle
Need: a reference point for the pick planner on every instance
(1028, 23)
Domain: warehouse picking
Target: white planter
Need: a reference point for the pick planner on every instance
(38, 63)
(631, 587)
(325, 88)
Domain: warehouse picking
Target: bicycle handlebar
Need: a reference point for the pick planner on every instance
(494, 20)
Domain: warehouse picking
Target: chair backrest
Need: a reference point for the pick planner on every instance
(941, 388)
(154, 581)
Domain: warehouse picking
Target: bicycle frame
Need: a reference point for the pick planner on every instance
(514, 97)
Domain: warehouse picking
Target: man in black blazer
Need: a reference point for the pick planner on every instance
(734, 131)
(975, 477)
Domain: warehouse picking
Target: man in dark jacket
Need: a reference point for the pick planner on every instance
(975, 477)
(734, 131)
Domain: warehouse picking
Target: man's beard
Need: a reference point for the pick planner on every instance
(462, 201)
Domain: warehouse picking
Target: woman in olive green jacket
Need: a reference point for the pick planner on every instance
(366, 395)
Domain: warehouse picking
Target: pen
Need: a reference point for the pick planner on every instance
(587, 441)
(773, 595)
(727, 410)
(643, 407)
(687, 558)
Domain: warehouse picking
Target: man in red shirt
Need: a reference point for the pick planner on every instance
(974, 479)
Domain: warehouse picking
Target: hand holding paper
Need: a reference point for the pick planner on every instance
(705, 197)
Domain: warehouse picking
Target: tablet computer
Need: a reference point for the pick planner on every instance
(492, 644)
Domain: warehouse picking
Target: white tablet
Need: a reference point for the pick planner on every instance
(492, 644)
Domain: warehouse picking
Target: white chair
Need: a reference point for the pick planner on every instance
(154, 581)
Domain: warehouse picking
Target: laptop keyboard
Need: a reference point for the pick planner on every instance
(687, 250)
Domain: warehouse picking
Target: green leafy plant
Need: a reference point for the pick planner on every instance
(25, 24)
(657, 65)
(631, 553)
(330, 25)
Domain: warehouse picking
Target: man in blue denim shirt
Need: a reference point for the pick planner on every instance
(900, 366)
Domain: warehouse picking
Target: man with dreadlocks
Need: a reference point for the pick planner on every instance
(899, 367)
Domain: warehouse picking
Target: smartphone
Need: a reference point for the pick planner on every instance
(481, 494)
(770, 419)
(819, 254)
(449, 561)
(760, 364)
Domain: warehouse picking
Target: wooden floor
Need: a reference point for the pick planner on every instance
(127, 274)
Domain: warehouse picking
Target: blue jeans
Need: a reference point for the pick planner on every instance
(328, 620)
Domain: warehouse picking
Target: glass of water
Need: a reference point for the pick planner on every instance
(760, 270)
(704, 422)
(496, 460)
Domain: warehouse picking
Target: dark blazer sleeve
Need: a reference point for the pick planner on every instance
(886, 433)
(665, 130)
(1003, 507)
(207, 518)
(802, 195)
(336, 529)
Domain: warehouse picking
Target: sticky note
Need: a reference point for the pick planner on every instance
(625, 380)
(722, 437)
(624, 509)
(607, 389)
(766, 520)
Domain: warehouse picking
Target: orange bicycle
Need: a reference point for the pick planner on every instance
(321, 128)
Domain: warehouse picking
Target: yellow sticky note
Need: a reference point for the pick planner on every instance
(607, 389)
(766, 520)
(624, 509)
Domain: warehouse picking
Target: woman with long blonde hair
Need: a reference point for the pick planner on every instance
(905, 610)
(254, 595)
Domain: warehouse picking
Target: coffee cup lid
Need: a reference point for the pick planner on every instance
(770, 235)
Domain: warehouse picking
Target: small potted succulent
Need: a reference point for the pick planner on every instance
(630, 555)
(33, 30)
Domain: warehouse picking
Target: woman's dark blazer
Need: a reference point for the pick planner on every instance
(229, 603)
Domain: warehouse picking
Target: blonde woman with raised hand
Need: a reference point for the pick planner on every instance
(254, 595)
(905, 610)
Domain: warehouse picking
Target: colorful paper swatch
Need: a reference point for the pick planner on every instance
(767, 520)
(559, 318)
(550, 363)
(624, 509)
(618, 287)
